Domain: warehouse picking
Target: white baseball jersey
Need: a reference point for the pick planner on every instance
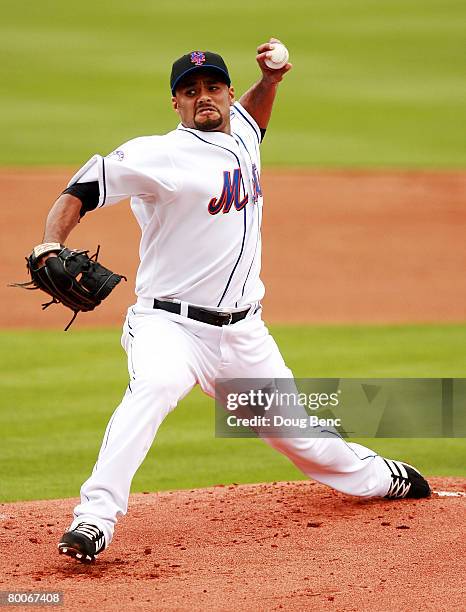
(197, 198)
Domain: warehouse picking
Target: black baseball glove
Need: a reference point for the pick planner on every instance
(72, 278)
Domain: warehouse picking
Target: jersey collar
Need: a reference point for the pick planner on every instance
(219, 138)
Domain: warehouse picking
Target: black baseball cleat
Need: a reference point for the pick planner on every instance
(83, 543)
(407, 482)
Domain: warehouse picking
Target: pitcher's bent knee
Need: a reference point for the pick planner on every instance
(155, 391)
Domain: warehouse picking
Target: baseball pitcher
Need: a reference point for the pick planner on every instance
(196, 194)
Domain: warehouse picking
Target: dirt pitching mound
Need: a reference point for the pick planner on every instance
(292, 546)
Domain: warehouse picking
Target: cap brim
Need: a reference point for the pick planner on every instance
(196, 68)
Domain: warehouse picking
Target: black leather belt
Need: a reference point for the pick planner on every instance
(201, 314)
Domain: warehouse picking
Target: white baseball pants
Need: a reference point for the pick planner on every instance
(168, 355)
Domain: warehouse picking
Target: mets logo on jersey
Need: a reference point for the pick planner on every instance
(198, 58)
(230, 196)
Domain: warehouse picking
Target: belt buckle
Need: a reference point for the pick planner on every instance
(227, 314)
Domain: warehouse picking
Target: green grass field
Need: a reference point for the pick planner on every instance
(60, 390)
(375, 83)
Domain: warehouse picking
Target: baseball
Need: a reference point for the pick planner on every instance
(278, 56)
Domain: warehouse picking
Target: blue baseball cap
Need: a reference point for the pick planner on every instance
(197, 60)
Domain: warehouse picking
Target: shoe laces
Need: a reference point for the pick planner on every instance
(399, 487)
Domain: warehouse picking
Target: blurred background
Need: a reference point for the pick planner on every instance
(375, 82)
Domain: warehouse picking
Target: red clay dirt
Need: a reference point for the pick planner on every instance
(338, 247)
(290, 546)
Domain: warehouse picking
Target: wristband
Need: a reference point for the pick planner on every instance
(46, 247)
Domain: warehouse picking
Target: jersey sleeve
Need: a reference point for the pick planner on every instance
(140, 168)
(244, 124)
